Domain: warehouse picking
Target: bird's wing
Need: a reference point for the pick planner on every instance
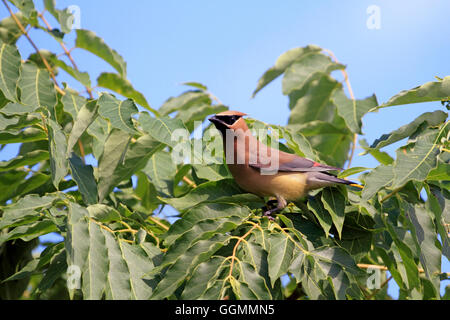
(290, 162)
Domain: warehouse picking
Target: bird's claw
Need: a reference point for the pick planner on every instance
(268, 214)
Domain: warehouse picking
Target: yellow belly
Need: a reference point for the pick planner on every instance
(289, 185)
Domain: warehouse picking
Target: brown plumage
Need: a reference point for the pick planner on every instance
(265, 171)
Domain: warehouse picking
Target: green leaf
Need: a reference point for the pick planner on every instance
(82, 77)
(57, 151)
(184, 102)
(203, 276)
(77, 233)
(36, 86)
(26, 207)
(32, 183)
(316, 127)
(103, 213)
(113, 154)
(99, 129)
(352, 111)
(306, 68)
(64, 17)
(298, 143)
(334, 202)
(201, 251)
(204, 229)
(86, 115)
(118, 112)
(9, 70)
(282, 63)
(198, 113)
(431, 118)
(404, 259)
(376, 179)
(256, 284)
(25, 272)
(109, 266)
(279, 255)
(9, 31)
(84, 177)
(133, 161)
(56, 269)
(25, 6)
(11, 109)
(28, 159)
(29, 231)
(325, 220)
(352, 171)
(9, 181)
(441, 172)
(116, 83)
(415, 163)
(160, 128)
(222, 191)
(336, 255)
(89, 41)
(425, 235)
(27, 135)
(312, 102)
(430, 91)
(212, 172)
(381, 156)
(202, 212)
(196, 85)
(161, 171)
(72, 102)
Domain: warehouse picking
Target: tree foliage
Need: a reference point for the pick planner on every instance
(116, 245)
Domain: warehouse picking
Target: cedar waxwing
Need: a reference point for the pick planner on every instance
(266, 171)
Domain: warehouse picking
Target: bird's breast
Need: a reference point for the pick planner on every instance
(289, 185)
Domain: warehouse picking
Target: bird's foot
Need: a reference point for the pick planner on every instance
(268, 213)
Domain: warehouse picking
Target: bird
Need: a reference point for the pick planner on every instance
(265, 171)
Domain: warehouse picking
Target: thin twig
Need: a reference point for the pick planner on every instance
(22, 29)
(352, 96)
(378, 290)
(189, 182)
(66, 52)
(394, 192)
(158, 223)
(233, 256)
(374, 266)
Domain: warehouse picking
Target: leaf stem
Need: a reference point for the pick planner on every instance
(394, 192)
(233, 256)
(22, 29)
(158, 223)
(66, 52)
(352, 96)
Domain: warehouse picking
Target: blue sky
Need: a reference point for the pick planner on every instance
(228, 45)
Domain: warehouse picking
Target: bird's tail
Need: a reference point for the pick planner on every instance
(323, 179)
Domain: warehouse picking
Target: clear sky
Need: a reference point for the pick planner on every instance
(227, 46)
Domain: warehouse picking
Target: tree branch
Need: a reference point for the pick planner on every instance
(66, 52)
(22, 29)
(352, 96)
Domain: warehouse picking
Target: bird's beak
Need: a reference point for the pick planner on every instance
(217, 121)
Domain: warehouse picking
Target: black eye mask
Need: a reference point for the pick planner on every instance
(229, 120)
